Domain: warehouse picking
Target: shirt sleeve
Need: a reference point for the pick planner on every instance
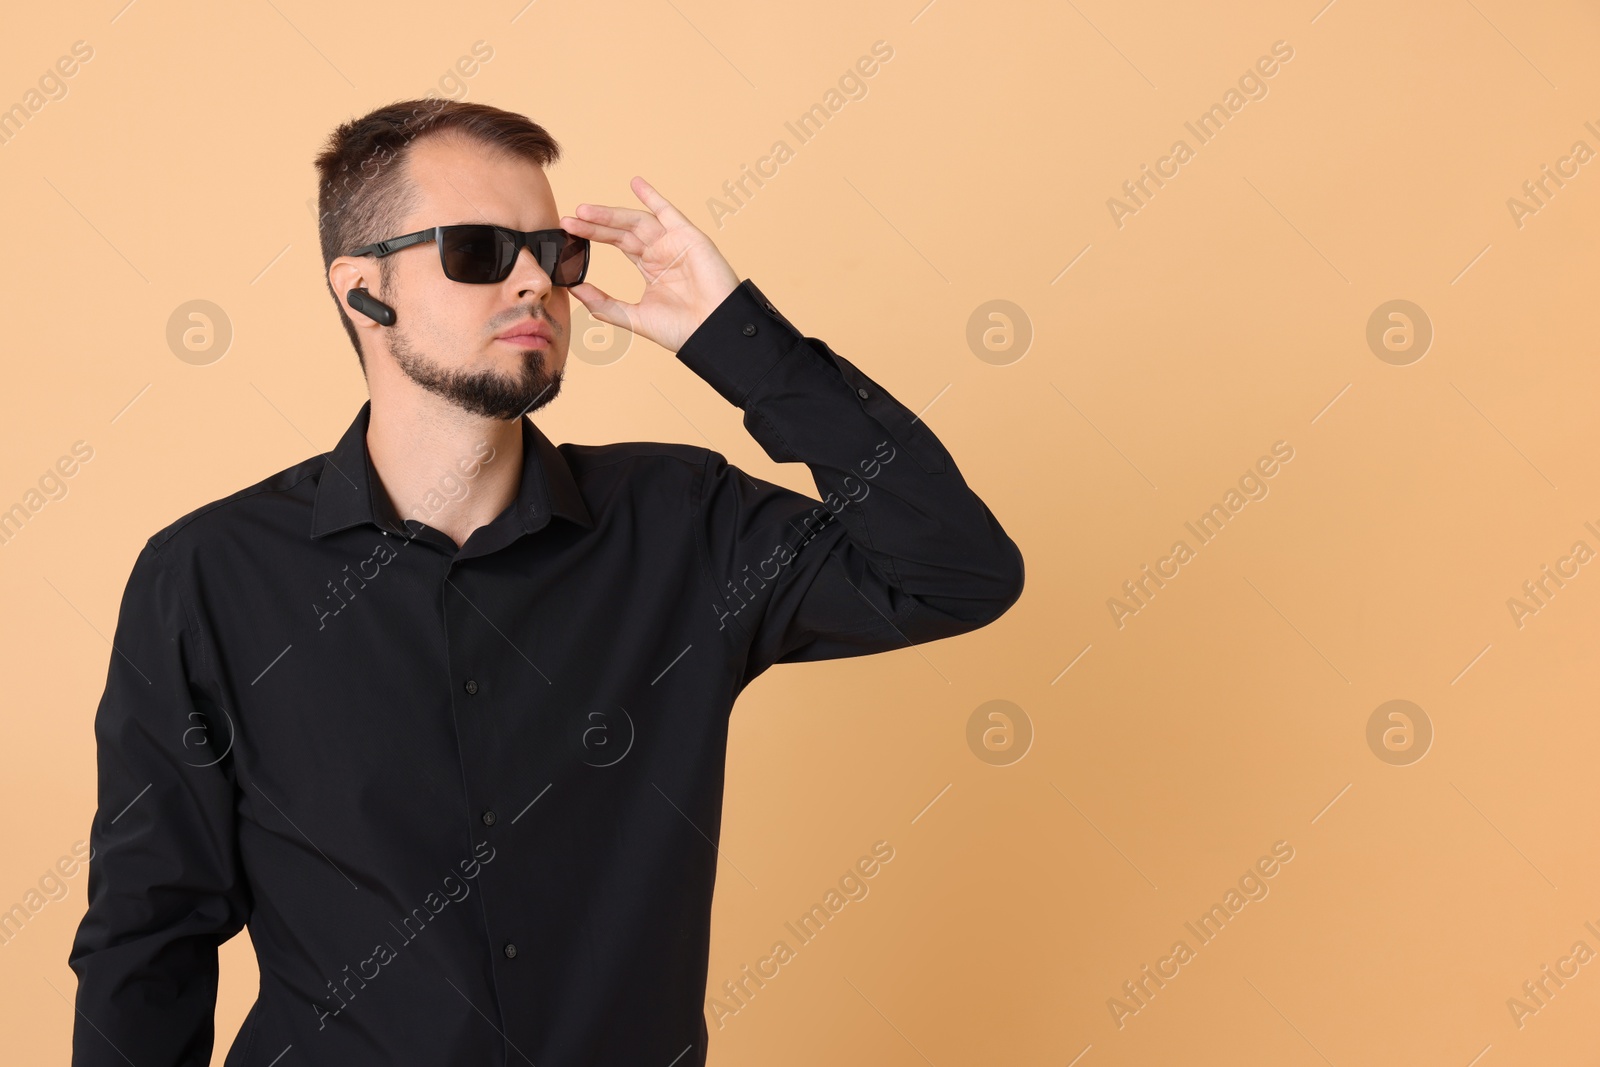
(895, 550)
(164, 885)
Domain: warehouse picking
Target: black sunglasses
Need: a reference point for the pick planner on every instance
(481, 254)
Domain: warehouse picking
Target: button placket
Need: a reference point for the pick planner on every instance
(478, 720)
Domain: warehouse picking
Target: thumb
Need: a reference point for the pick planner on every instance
(602, 306)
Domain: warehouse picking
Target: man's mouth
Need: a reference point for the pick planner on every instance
(531, 334)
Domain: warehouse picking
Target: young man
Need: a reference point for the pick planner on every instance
(461, 772)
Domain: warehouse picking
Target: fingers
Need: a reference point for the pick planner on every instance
(626, 240)
(642, 223)
(647, 225)
(657, 203)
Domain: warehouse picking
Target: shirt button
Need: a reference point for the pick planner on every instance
(471, 686)
(749, 329)
(862, 393)
(510, 950)
(488, 817)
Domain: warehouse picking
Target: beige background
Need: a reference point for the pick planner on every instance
(1229, 313)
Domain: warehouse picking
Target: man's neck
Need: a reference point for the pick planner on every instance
(438, 464)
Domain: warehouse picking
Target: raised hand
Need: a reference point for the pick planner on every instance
(685, 276)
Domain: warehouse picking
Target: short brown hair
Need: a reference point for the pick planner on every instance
(362, 191)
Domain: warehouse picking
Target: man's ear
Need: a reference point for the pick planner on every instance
(348, 274)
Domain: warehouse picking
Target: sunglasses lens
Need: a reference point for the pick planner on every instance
(571, 262)
(483, 254)
(478, 254)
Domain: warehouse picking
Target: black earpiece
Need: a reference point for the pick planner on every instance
(371, 306)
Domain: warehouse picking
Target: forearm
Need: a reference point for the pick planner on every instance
(879, 470)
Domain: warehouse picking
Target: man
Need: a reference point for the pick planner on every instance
(461, 773)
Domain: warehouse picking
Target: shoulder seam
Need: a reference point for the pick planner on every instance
(637, 455)
(171, 530)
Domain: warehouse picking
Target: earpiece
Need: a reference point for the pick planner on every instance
(371, 306)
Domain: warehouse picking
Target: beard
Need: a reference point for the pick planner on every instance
(491, 394)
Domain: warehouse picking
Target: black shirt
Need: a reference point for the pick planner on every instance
(467, 799)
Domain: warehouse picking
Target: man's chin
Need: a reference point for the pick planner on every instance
(539, 397)
(518, 384)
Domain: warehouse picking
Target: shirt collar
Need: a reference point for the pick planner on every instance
(348, 492)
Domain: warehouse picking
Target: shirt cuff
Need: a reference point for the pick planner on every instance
(739, 343)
